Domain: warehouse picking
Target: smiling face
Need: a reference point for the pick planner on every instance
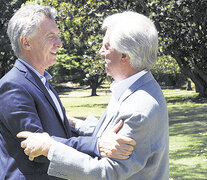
(42, 46)
(113, 63)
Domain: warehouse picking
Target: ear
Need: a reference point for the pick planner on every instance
(25, 42)
(123, 55)
(125, 58)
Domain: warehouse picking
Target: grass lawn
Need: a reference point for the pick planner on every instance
(188, 127)
(188, 135)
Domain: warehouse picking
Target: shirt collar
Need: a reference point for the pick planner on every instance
(44, 78)
(118, 88)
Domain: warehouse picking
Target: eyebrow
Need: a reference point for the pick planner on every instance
(51, 32)
(107, 45)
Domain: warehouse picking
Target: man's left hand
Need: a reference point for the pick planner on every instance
(116, 146)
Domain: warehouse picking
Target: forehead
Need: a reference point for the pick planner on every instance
(48, 26)
(106, 38)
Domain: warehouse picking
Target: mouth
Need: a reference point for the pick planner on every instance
(54, 53)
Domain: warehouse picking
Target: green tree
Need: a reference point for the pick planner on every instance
(7, 8)
(182, 26)
(80, 23)
(167, 72)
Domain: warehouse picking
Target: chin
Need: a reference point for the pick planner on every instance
(108, 73)
(52, 63)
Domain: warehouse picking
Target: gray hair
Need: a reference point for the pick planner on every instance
(25, 22)
(134, 34)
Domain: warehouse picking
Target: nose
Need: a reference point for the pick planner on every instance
(59, 43)
(101, 52)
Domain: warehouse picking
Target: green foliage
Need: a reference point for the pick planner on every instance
(166, 64)
(66, 69)
(181, 25)
(7, 8)
(80, 34)
(167, 72)
(182, 33)
(176, 80)
(80, 24)
(182, 30)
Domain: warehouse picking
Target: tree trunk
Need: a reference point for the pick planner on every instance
(96, 81)
(93, 92)
(201, 85)
(198, 76)
(94, 85)
(199, 79)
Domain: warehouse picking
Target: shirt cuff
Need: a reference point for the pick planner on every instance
(78, 124)
(51, 151)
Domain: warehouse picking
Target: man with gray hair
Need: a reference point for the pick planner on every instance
(129, 49)
(29, 103)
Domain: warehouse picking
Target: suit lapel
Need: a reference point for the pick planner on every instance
(56, 95)
(100, 122)
(107, 120)
(65, 120)
(38, 83)
(135, 86)
(34, 79)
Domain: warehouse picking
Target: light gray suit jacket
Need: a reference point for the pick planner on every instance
(144, 111)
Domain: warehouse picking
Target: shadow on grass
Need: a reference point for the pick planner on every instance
(91, 106)
(62, 89)
(187, 172)
(191, 151)
(187, 120)
(182, 99)
(184, 113)
(188, 125)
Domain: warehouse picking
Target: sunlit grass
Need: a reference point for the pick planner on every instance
(188, 135)
(188, 127)
(82, 106)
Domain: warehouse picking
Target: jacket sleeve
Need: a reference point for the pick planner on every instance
(71, 164)
(18, 112)
(85, 144)
(87, 126)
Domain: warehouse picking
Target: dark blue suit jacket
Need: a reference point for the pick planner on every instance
(25, 105)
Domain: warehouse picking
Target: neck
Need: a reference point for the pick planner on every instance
(126, 74)
(34, 64)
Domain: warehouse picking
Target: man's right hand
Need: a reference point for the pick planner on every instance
(116, 146)
(35, 144)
